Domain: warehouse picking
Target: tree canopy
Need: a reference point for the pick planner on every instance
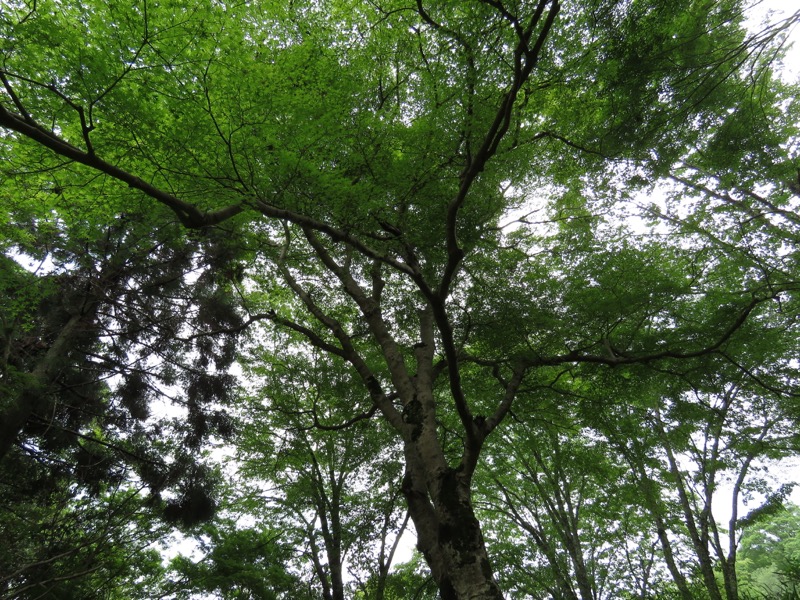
(531, 267)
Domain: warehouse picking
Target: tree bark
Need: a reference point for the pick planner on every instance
(449, 535)
(699, 541)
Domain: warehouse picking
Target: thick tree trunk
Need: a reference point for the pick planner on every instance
(449, 536)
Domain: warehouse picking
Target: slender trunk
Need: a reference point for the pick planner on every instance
(669, 558)
(651, 503)
(729, 562)
(333, 539)
(710, 464)
(729, 576)
(555, 494)
(328, 503)
(319, 569)
(699, 541)
(563, 515)
(385, 558)
(537, 532)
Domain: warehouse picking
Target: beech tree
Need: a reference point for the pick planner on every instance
(454, 199)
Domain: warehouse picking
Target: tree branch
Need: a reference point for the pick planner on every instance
(614, 359)
(188, 214)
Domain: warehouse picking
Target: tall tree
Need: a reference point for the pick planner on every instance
(561, 512)
(333, 486)
(364, 159)
(97, 321)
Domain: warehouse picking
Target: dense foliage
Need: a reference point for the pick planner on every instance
(292, 279)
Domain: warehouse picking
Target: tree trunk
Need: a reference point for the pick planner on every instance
(698, 536)
(449, 536)
(652, 503)
(729, 577)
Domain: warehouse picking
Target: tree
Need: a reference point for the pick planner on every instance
(769, 554)
(407, 581)
(696, 454)
(237, 563)
(60, 542)
(92, 318)
(333, 488)
(562, 515)
(364, 161)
